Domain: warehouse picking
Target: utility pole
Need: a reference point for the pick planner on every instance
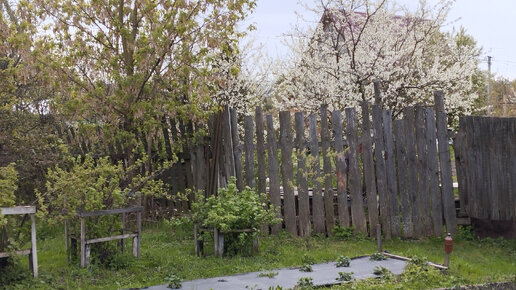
(489, 85)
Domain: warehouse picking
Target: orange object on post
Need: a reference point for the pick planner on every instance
(448, 244)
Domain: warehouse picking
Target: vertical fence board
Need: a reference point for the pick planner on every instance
(287, 172)
(249, 151)
(433, 173)
(390, 170)
(227, 145)
(274, 183)
(369, 176)
(237, 149)
(301, 177)
(260, 149)
(381, 178)
(445, 164)
(317, 199)
(410, 126)
(340, 164)
(328, 187)
(355, 179)
(402, 164)
(423, 199)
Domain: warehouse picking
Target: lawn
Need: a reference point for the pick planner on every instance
(166, 252)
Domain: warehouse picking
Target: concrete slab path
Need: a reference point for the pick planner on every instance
(323, 274)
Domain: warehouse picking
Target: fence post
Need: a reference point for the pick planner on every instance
(274, 186)
(83, 243)
(34, 248)
(302, 183)
(445, 164)
(340, 164)
(317, 199)
(369, 176)
(249, 151)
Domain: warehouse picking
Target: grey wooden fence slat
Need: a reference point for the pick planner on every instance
(460, 160)
(249, 151)
(423, 198)
(410, 126)
(301, 177)
(355, 177)
(260, 150)
(227, 145)
(369, 176)
(317, 199)
(445, 164)
(433, 173)
(340, 164)
(390, 170)
(328, 186)
(274, 183)
(402, 164)
(381, 178)
(237, 149)
(287, 172)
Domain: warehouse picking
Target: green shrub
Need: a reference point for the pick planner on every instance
(306, 268)
(88, 184)
(347, 234)
(232, 210)
(384, 273)
(173, 282)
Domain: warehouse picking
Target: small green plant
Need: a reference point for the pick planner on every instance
(465, 233)
(306, 268)
(270, 274)
(383, 273)
(343, 233)
(345, 276)
(173, 282)
(304, 283)
(343, 261)
(307, 260)
(378, 257)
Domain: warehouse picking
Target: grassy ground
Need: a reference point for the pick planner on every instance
(166, 253)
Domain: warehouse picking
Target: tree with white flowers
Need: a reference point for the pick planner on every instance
(358, 41)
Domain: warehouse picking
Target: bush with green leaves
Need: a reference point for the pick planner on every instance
(383, 273)
(343, 261)
(173, 282)
(8, 185)
(88, 184)
(347, 233)
(232, 210)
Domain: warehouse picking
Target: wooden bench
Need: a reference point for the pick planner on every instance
(218, 240)
(33, 251)
(86, 243)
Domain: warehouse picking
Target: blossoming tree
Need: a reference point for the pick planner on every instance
(357, 41)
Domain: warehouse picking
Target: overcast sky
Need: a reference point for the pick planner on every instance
(491, 22)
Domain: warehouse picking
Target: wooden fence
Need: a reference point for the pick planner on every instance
(485, 150)
(396, 173)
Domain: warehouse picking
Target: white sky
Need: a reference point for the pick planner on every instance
(492, 23)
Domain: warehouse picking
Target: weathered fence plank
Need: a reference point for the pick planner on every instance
(390, 170)
(274, 183)
(301, 177)
(249, 151)
(287, 172)
(445, 164)
(381, 178)
(340, 164)
(227, 147)
(433, 173)
(317, 199)
(328, 187)
(369, 176)
(260, 150)
(423, 200)
(400, 132)
(237, 149)
(355, 178)
(410, 126)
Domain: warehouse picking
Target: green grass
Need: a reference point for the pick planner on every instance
(165, 253)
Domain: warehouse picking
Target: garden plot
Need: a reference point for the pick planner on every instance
(322, 274)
